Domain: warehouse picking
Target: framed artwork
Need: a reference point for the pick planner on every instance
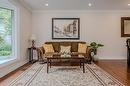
(65, 28)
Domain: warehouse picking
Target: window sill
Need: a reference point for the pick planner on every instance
(6, 62)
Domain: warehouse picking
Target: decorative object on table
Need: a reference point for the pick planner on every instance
(64, 54)
(94, 46)
(65, 28)
(33, 40)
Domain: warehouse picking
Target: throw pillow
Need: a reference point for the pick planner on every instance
(82, 48)
(48, 48)
(65, 49)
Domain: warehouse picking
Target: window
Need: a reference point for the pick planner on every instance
(6, 30)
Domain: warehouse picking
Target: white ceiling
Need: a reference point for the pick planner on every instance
(77, 4)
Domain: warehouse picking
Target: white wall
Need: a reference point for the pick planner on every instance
(24, 31)
(100, 26)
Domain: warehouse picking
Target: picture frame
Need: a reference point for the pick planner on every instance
(66, 28)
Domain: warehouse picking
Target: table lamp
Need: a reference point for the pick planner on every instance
(33, 40)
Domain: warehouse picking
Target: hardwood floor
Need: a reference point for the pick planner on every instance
(116, 68)
(4, 81)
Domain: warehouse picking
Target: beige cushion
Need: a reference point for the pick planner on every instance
(82, 48)
(48, 55)
(81, 56)
(65, 49)
(48, 48)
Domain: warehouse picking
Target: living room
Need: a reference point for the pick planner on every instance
(98, 21)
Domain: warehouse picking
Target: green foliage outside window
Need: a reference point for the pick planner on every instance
(5, 32)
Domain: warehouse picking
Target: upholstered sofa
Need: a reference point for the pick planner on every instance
(74, 49)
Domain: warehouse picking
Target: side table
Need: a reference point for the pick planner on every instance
(30, 50)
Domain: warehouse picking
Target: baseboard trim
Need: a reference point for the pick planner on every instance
(113, 59)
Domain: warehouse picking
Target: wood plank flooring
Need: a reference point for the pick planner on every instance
(4, 81)
(117, 68)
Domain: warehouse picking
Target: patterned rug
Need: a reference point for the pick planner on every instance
(37, 75)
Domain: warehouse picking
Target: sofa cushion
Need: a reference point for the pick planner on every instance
(65, 49)
(55, 45)
(74, 47)
(48, 48)
(82, 48)
(50, 54)
(73, 44)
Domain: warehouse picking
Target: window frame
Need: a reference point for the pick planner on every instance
(12, 35)
(15, 56)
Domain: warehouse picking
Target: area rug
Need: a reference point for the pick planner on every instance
(37, 75)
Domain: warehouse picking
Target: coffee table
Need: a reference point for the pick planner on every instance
(80, 59)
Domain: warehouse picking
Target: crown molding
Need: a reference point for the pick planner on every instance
(81, 11)
(22, 2)
(25, 5)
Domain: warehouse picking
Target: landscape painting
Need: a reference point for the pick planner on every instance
(65, 28)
